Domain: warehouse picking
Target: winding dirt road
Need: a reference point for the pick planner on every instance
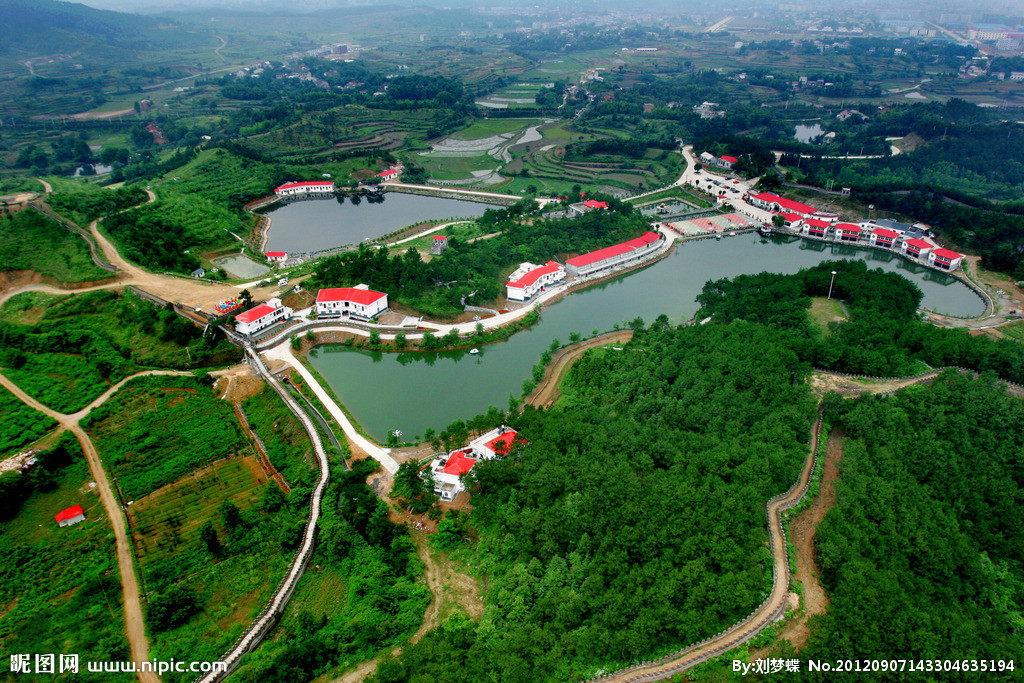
(134, 622)
(548, 389)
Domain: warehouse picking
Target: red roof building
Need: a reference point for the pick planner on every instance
(458, 464)
(917, 247)
(277, 255)
(389, 174)
(528, 279)
(815, 227)
(73, 515)
(289, 189)
(791, 219)
(769, 201)
(586, 264)
(261, 317)
(594, 204)
(945, 259)
(254, 314)
(731, 160)
(847, 232)
(359, 301)
(883, 237)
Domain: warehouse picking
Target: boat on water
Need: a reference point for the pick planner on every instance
(474, 350)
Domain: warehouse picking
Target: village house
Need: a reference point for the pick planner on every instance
(389, 174)
(292, 189)
(262, 317)
(791, 220)
(815, 227)
(529, 279)
(847, 232)
(614, 256)
(945, 259)
(353, 302)
(438, 245)
(73, 515)
(883, 237)
(769, 201)
(277, 256)
(449, 471)
(916, 248)
(580, 208)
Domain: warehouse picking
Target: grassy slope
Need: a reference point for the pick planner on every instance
(34, 242)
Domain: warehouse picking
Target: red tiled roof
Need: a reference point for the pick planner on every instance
(594, 204)
(791, 216)
(532, 276)
(614, 250)
(503, 444)
(276, 254)
(848, 227)
(458, 463)
(388, 173)
(359, 296)
(918, 243)
(885, 232)
(255, 314)
(440, 237)
(946, 254)
(70, 513)
(817, 223)
(731, 160)
(785, 204)
(308, 183)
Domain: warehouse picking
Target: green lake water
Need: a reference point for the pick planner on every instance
(414, 391)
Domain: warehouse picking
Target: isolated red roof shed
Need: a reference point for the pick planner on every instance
(276, 254)
(72, 515)
(390, 173)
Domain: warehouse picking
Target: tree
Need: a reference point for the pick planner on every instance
(374, 337)
(400, 340)
(208, 535)
(230, 514)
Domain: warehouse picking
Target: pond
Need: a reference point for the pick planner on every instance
(806, 131)
(414, 391)
(316, 224)
(242, 266)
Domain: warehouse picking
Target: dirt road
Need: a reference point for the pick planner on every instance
(547, 390)
(134, 622)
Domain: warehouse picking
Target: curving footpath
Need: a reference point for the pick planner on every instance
(268, 618)
(134, 622)
(770, 611)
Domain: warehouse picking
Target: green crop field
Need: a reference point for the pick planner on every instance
(287, 443)
(59, 587)
(149, 432)
(34, 242)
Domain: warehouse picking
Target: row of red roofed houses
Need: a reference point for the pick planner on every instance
(449, 471)
(529, 279)
(910, 240)
(73, 515)
(724, 161)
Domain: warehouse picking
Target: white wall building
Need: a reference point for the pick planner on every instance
(359, 302)
(614, 256)
(944, 259)
(529, 280)
(261, 317)
(290, 189)
(449, 471)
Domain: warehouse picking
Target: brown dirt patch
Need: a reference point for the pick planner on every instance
(100, 115)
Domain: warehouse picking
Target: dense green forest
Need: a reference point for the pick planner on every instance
(633, 522)
(438, 286)
(922, 552)
(884, 336)
(20, 424)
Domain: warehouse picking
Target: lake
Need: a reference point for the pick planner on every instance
(806, 131)
(414, 391)
(242, 266)
(317, 224)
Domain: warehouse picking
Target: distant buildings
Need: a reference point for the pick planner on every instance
(724, 161)
(350, 302)
(262, 317)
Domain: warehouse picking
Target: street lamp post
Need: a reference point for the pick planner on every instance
(830, 285)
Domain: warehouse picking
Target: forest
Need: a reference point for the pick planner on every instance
(437, 287)
(633, 522)
(884, 336)
(921, 554)
(34, 242)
